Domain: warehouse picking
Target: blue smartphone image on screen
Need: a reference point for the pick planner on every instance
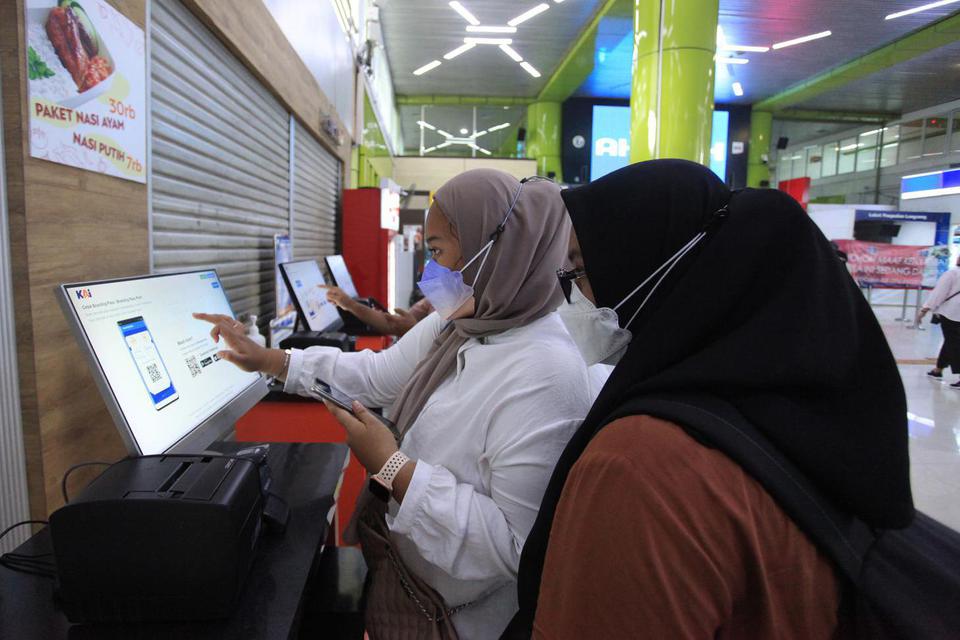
(149, 364)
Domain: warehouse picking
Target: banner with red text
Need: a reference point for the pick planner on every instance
(86, 70)
(879, 264)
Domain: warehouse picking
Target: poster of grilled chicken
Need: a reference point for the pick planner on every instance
(86, 69)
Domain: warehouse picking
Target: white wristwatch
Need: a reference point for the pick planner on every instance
(381, 483)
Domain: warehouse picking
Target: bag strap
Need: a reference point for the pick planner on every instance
(717, 424)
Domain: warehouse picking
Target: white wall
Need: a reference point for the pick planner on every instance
(317, 37)
(936, 204)
(429, 174)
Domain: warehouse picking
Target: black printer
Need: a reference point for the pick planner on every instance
(167, 537)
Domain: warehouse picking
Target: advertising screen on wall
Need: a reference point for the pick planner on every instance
(611, 140)
(86, 70)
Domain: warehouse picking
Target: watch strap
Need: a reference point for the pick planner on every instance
(390, 469)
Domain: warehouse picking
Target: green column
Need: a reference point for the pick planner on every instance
(671, 97)
(761, 124)
(543, 137)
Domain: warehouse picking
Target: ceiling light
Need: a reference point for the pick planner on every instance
(444, 144)
(721, 38)
(462, 10)
(426, 125)
(932, 5)
(430, 149)
(464, 132)
(480, 133)
(814, 36)
(481, 149)
(744, 47)
(507, 49)
(473, 29)
(849, 147)
(444, 133)
(499, 126)
(737, 89)
(726, 60)
(558, 1)
(427, 67)
(523, 17)
(461, 49)
(488, 40)
(529, 69)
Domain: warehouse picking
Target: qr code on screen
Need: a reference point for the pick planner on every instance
(153, 371)
(193, 366)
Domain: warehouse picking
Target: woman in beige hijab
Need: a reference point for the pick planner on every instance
(485, 400)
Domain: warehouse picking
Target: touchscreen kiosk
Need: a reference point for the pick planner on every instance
(341, 275)
(156, 366)
(304, 280)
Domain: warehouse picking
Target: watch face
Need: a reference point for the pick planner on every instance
(379, 490)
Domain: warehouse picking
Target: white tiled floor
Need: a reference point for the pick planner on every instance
(933, 414)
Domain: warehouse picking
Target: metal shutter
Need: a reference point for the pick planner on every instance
(316, 197)
(220, 161)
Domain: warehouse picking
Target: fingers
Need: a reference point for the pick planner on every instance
(403, 313)
(229, 356)
(344, 417)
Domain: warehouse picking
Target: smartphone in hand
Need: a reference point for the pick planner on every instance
(327, 392)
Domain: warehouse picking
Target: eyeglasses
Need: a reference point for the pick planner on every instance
(566, 278)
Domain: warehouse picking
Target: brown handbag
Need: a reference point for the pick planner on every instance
(400, 606)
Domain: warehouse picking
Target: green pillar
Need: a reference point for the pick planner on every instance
(671, 96)
(761, 125)
(543, 137)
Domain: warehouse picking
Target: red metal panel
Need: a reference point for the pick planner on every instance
(365, 243)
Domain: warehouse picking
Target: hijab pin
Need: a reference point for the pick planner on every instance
(718, 216)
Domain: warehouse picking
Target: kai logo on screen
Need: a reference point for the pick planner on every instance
(612, 147)
(83, 294)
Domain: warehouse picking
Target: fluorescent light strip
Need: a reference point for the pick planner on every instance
(507, 49)
(813, 36)
(725, 60)
(427, 67)
(480, 133)
(481, 29)
(462, 10)
(747, 48)
(499, 126)
(523, 17)
(444, 133)
(426, 125)
(461, 49)
(948, 191)
(482, 150)
(529, 69)
(488, 40)
(737, 89)
(444, 144)
(430, 149)
(925, 7)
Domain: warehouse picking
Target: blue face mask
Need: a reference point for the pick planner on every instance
(444, 288)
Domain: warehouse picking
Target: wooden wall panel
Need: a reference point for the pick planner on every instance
(66, 225)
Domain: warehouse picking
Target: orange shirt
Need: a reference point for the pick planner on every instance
(658, 536)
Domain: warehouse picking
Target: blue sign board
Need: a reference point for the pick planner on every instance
(941, 218)
(611, 141)
(925, 185)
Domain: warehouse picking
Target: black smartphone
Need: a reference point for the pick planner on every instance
(342, 400)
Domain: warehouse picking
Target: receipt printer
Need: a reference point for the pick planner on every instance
(168, 537)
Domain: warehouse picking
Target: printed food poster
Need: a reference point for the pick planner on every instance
(86, 69)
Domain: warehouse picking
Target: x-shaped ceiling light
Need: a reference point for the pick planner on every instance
(471, 41)
(468, 141)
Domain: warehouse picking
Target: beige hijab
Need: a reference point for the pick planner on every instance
(518, 282)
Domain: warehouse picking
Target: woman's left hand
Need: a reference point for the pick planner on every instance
(369, 439)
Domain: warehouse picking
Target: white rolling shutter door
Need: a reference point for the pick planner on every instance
(316, 198)
(220, 172)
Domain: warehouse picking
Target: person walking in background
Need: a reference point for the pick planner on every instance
(944, 301)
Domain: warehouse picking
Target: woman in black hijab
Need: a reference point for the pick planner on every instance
(756, 340)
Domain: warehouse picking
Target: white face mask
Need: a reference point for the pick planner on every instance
(597, 332)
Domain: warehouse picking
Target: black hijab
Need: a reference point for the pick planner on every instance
(761, 314)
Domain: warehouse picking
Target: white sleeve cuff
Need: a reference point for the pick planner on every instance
(294, 369)
(413, 499)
